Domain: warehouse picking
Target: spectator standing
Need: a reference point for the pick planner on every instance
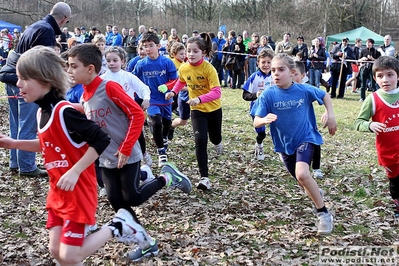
(108, 35)
(164, 43)
(125, 34)
(173, 35)
(317, 56)
(357, 49)
(368, 54)
(115, 39)
(184, 39)
(217, 59)
(17, 34)
(92, 33)
(63, 39)
(387, 49)
(142, 30)
(131, 48)
(263, 45)
(339, 53)
(253, 46)
(246, 39)
(271, 42)
(301, 47)
(238, 77)
(79, 37)
(22, 114)
(285, 46)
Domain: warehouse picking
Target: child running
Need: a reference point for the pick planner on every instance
(178, 55)
(204, 99)
(287, 107)
(299, 77)
(68, 159)
(253, 87)
(382, 108)
(122, 119)
(132, 85)
(159, 73)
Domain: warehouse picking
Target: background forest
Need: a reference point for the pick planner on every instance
(309, 18)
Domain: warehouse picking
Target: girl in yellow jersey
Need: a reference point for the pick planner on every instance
(204, 93)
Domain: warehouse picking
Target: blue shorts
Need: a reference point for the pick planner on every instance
(259, 129)
(184, 109)
(304, 153)
(164, 110)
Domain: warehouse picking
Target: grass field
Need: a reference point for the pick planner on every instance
(255, 213)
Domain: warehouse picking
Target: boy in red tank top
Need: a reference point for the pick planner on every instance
(382, 107)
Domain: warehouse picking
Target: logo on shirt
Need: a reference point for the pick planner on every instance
(282, 105)
(154, 73)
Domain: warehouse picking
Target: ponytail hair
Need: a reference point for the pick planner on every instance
(204, 43)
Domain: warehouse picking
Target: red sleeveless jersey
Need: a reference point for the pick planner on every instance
(60, 153)
(387, 142)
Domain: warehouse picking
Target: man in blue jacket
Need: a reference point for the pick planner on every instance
(22, 115)
(217, 58)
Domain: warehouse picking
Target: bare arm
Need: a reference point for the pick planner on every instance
(330, 123)
(262, 121)
(32, 145)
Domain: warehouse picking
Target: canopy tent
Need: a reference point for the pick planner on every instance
(9, 26)
(362, 33)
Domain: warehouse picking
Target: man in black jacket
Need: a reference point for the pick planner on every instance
(368, 54)
(22, 115)
(339, 53)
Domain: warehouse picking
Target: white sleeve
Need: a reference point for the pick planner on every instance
(142, 90)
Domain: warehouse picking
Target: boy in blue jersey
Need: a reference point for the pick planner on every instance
(159, 74)
(253, 87)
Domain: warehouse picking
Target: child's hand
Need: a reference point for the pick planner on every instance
(324, 118)
(169, 95)
(122, 159)
(6, 142)
(145, 104)
(68, 180)
(377, 127)
(259, 93)
(269, 118)
(331, 124)
(194, 102)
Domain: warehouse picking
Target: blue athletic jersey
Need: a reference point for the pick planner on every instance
(256, 82)
(296, 121)
(154, 73)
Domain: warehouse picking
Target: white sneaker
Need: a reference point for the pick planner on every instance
(324, 223)
(219, 148)
(204, 184)
(317, 173)
(103, 192)
(150, 175)
(147, 159)
(127, 239)
(162, 159)
(259, 153)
